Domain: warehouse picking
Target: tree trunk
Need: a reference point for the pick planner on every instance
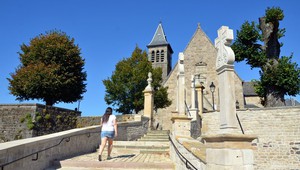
(273, 99)
(270, 38)
(272, 47)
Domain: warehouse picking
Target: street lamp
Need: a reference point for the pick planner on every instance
(212, 89)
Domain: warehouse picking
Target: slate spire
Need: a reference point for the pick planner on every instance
(159, 37)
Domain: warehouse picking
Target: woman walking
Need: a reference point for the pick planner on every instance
(108, 132)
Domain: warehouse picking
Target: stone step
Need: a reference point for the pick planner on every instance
(156, 134)
(153, 140)
(155, 137)
(140, 147)
(151, 152)
(88, 165)
(137, 147)
(119, 161)
(164, 132)
(141, 143)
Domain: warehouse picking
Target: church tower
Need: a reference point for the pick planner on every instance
(160, 52)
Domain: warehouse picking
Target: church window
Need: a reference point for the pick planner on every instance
(157, 56)
(152, 56)
(162, 56)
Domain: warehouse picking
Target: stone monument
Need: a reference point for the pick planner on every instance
(225, 70)
(149, 100)
(230, 149)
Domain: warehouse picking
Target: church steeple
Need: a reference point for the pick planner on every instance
(159, 37)
(160, 51)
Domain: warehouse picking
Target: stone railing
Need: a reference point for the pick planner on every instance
(39, 152)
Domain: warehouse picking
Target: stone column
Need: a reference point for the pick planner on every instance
(230, 149)
(193, 109)
(149, 100)
(181, 83)
(181, 123)
(225, 70)
(199, 89)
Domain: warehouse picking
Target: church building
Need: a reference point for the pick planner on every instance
(199, 63)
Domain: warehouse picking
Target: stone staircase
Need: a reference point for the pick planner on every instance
(151, 152)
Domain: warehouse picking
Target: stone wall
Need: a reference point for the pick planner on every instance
(61, 145)
(131, 131)
(254, 101)
(96, 120)
(19, 121)
(278, 131)
(64, 144)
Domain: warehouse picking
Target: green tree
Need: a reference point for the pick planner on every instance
(51, 70)
(126, 85)
(258, 45)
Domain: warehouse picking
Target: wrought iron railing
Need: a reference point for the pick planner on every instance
(187, 163)
(187, 108)
(36, 153)
(237, 117)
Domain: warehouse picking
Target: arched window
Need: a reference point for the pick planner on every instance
(162, 56)
(157, 56)
(152, 56)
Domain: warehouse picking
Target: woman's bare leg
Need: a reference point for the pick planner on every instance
(102, 145)
(110, 146)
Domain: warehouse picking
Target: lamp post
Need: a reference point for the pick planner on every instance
(212, 89)
(78, 105)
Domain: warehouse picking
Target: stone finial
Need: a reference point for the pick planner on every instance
(149, 80)
(198, 26)
(225, 54)
(181, 63)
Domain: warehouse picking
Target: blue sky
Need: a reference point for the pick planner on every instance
(108, 31)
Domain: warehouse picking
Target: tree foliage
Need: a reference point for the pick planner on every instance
(126, 85)
(51, 70)
(258, 45)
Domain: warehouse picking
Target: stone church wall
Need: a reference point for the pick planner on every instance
(278, 131)
(163, 116)
(199, 59)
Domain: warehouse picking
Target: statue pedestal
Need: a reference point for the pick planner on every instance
(229, 151)
(181, 125)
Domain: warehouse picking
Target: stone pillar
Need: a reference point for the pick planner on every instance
(225, 70)
(180, 86)
(181, 126)
(193, 109)
(229, 149)
(149, 100)
(181, 123)
(199, 89)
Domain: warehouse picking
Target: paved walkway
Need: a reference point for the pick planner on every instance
(121, 159)
(151, 152)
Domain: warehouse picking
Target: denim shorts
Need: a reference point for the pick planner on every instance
(109, 134)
